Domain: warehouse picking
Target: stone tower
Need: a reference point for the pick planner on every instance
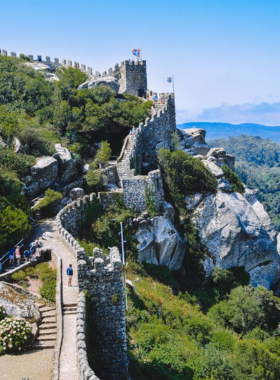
(133, 77)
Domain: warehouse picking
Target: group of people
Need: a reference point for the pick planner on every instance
(15, 255)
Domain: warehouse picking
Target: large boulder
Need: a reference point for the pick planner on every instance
(76, 193)
(67, 167)
(214, 169)
(107, 80)
(192, 141)
(45, 172)
(159, 243)
(263, 216)
(235, 236)
(17, 304)
(220, 157)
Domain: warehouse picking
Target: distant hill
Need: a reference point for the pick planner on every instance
(223, 130)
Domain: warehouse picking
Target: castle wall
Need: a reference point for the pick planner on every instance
(101, 278)
(135, 189)
(133, 77)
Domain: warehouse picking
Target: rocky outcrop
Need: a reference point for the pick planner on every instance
(192, 141)
(17, 304)
(214, 169)
(219, 157)
(278, 243)
(76, 193)
(263, 216)
(235, 236)
(66, 165)
(45, 172)
(108, 81)
(159, 243)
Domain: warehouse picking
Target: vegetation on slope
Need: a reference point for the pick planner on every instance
(258, 166)
(41, 113)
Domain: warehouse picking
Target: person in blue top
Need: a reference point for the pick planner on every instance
(11, 256)
(69, 272)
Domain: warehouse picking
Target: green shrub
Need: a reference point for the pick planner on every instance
(95, 180)
(184, 175)
(19, 276)
(48, 290)
(47, 205)
(3, 313)
(31, 272)
(234, 181)
(15, 335)
(150, 200)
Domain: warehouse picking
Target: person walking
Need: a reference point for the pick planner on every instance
(11, 256)
(18, 255)
(69, 273)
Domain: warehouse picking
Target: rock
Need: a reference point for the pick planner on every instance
(193, 200)
(221, 157)
(17, 146)
(199, 156)
(261, 213)
(111, 187)
(37, 66)
(168, 211)
(17, 304)
(224, 185)
(107, 80)
(47, 236)
(278, 243)
(2, 144)
(192, 140)
(231, 230)
(214, 169)
(51, 77)
(45, 172)
(66, 165)
(160, 244)
(76, 193)
(86, 168)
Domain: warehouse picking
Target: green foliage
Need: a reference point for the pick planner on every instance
(48, 277)
(258, 166)
(3, 313)
(247, 308)
(176, 141)
(19, 276)
(47, 205)
(94, 179)
(15, 335)
(234, 181)
(103, 154)
(115, 299)
(11, 162)
(150, 200)
(184, 175)
(31, 272)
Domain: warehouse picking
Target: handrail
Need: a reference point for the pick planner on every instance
(2, 261)
(123, 149)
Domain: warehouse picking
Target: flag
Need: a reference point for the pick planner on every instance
(169, 79)
(136, 52)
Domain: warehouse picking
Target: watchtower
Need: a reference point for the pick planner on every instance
(133, 77)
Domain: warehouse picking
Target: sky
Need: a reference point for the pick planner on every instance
(224, 55)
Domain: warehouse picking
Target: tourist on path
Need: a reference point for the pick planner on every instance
(17, 255)
(69, 273)
(11, 256)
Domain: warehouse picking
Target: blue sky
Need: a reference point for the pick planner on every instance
(222, 53)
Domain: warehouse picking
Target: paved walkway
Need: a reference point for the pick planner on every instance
(68, 357)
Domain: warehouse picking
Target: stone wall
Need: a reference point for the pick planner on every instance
(101, 278)
(136, 189)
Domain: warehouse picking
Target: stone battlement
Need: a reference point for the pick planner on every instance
(101, 278)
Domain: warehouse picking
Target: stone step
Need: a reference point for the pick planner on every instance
(47, 314)
(44, 338)
(69, 304)
(68, 308)
(48, 320)
(43, 345)
(69, 312)
(47, 326)
(46, 308)
(47, 332)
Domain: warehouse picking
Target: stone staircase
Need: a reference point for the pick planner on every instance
(124, 164)
(47, 328)
(69, 308)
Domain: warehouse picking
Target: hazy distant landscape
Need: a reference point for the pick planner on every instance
(223, 130)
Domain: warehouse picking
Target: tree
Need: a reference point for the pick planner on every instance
(94, 179)
(103, 154)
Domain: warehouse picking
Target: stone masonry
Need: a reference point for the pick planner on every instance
(101, 278)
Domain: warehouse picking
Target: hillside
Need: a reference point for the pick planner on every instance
(224, 130)
(258, 166)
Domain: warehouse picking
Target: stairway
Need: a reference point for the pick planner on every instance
(47, 328)
(69, 308)
(8, 267)
(124, 164)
